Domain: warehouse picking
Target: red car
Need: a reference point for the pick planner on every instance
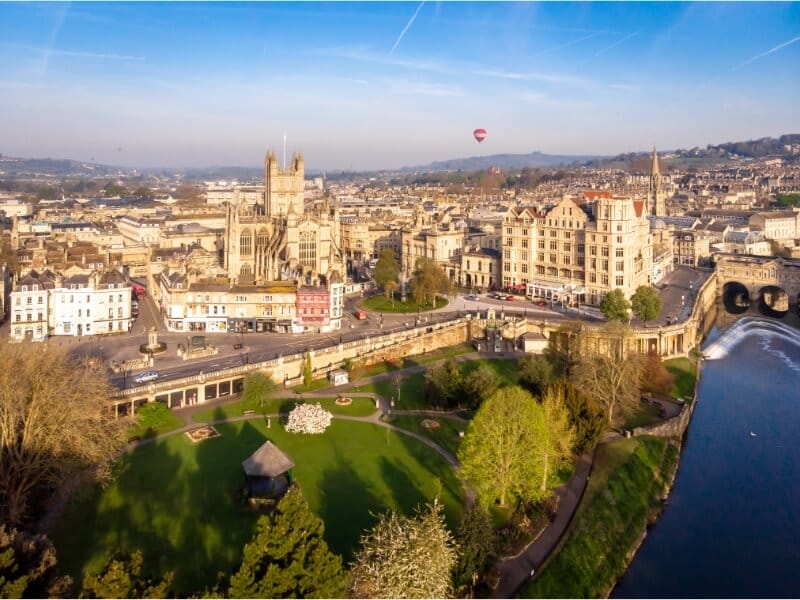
(510, 298)
(541, 303)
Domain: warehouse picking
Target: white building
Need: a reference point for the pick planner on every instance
(76, 303)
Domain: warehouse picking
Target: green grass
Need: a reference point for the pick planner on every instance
(315, 385)
(442, 353)
(410, 391)
(411, 397)
(685, 373)
(645, 414)
(446, 435)
(179, 503)
(622, 495)
(360, 407)
(143, 431)
(383, 304)
(507, 371)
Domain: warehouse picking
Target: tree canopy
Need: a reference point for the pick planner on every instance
(428, 280)
(585, 414)
(386, 269)
(28, 566)
(476, 548)
(646, 303)
(535, 373)
(610, 370)
(55, 423)
(615, 306)
(444, 384)
(405, 557)
(258, 385)
(499, 451)
(122, 578)
(288, 557)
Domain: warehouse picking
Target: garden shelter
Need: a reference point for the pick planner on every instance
(268, 472)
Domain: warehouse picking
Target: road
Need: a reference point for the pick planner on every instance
(257, 347)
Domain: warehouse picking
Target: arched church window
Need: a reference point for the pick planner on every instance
(261, 240)
(245, 243)
(308, 248)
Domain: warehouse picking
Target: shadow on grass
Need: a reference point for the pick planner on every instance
(347, 501)
(180, 503)
(447, 484)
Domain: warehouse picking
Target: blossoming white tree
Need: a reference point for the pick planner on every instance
(308, 418)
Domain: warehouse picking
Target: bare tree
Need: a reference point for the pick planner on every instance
(55, 422)
(610, 370)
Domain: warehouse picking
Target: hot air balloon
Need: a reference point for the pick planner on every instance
(480, 135)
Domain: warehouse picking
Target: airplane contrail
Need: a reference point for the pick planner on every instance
(410, 22)
(768, 52)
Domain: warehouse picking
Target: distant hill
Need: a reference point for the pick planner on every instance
(503, 161)
(54, 166)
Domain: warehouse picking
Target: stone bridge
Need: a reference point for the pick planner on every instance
(770, 281)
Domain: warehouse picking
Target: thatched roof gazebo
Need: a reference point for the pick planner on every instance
(268, 472)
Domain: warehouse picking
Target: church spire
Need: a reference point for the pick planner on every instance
(656, 202)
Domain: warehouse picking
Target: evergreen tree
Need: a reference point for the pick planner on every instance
(308, 373)
(28, 566)
(122, 578)
(476, 548)
(288, 556)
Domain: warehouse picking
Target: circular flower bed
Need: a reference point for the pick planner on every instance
(343, 401)
(308, 418)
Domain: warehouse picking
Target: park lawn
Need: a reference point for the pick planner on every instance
(410, 391)
(180, 503)
(685, 373)
(622, 496)
(171, 423)
(446, 435)
(383, 304)
(360, 407)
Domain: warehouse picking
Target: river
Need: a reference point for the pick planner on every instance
(731, 526)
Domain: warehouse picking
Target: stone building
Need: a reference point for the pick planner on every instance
(276, 238)
(581, 251)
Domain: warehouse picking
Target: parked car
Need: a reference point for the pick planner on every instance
(145, 376)
(541, 303)
(472, 297)
(510, 298)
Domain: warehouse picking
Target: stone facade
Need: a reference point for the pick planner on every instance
(588, 250)
(276, 238)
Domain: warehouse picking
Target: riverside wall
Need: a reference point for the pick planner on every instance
(675, 340)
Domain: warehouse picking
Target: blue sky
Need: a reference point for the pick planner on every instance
(382, 85)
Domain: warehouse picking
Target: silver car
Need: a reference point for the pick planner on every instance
(145, 376)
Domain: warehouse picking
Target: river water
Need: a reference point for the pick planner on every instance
(731, 526)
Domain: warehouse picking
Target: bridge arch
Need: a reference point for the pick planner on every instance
(773, 301)
(735, 297)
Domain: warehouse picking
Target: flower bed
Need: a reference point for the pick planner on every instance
(308, 418)
(343, 401)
